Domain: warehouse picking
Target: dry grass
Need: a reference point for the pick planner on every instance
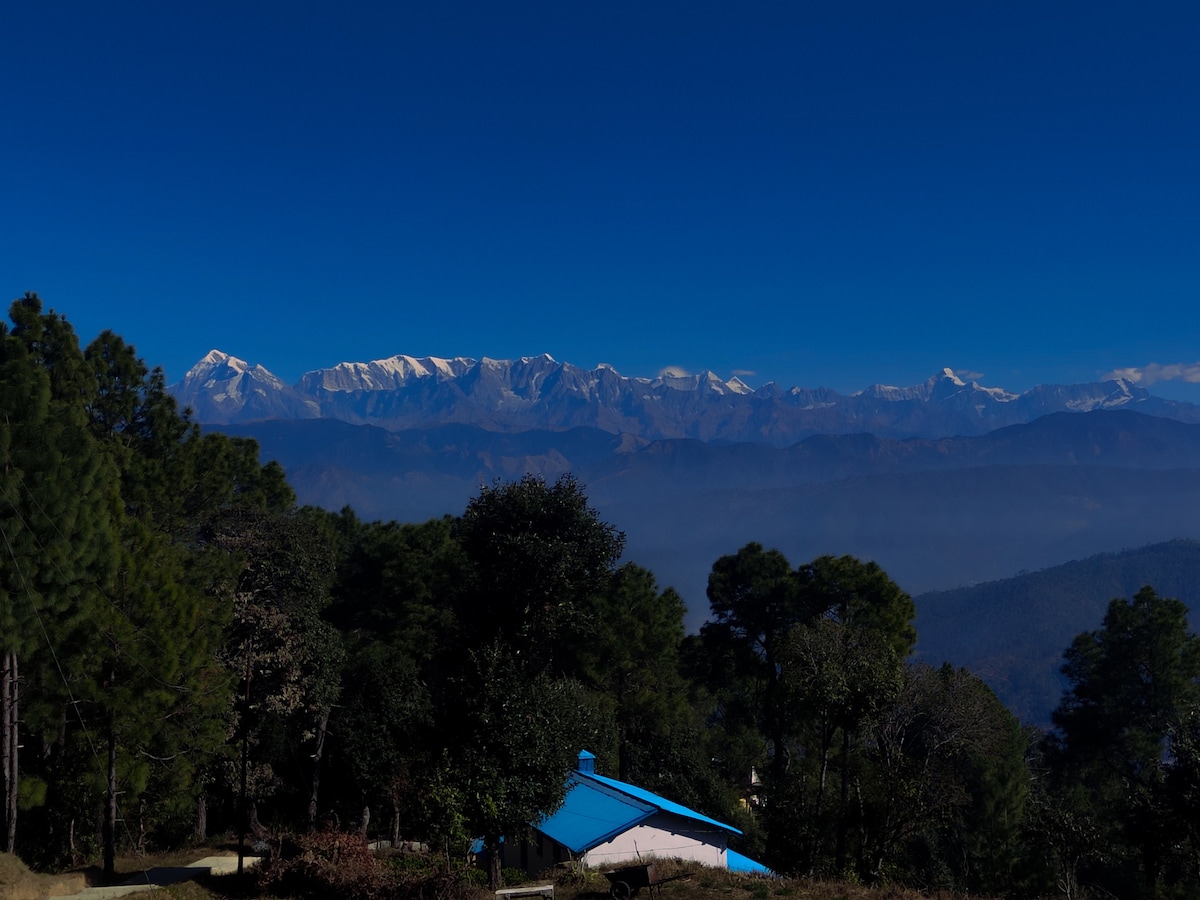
(17, 882)
(688, 882)
(12, 869)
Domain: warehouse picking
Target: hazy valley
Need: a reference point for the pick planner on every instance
(1085, 470)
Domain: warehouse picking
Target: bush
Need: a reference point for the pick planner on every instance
(331, 865)
(327, 865)
(512, 877)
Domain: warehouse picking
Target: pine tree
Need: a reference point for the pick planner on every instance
(163, 625)
(57, 522)
(1134, 684)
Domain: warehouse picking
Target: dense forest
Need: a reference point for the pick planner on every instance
(187, 653)
(1012, 632)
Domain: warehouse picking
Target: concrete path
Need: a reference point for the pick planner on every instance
(164, 875)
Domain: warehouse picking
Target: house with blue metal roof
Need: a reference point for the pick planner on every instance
(605, 823)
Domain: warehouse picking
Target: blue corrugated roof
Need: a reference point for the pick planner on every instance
(739, 863)
(593, 813)
(597, 809)
(661, 802)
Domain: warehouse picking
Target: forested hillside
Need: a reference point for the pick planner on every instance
(935, 513)
(1013, 632)
(186, 653)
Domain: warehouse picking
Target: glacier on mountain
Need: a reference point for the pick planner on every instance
(539, 393)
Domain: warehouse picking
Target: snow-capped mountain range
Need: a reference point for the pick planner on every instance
(540, 393)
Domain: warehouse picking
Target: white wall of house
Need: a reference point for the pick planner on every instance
(663, 836)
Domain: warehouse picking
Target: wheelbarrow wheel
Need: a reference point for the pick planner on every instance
(621, 890)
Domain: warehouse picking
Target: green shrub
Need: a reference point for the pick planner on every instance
(512, 877)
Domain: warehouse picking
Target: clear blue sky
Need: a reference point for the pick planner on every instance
(813, 193)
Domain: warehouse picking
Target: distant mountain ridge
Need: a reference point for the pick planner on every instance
(945, 483)
(934, 513)
(540, 393)
(1013, 632)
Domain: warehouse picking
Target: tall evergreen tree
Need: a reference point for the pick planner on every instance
(57, 521)
(754, 602)
(1134, 684)
(629, 658)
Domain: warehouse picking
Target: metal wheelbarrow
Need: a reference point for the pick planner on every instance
(629, 880)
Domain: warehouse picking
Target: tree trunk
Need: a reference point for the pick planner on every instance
(201, 830)
(9, 742)
(243, 811)
(492, 845)
(843, 823)
(109, 830)
(256, 827)
(322, 726)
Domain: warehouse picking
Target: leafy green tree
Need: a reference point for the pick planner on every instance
(754, 603)
(285, 658)
(801, 659)
(944, 793)
(860, 595)
(837, 681)
(538, 558)
(515, 734)
(1133, 686)
(1182, 788)
(151, 639)
(630, 659)
(163, 624)
(397, 584)
(110, 486)
(385, 737)
(538, 554)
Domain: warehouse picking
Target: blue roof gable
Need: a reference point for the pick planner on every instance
(662, 803)
(591, 814)
(597, 809)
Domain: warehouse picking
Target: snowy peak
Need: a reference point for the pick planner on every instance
(948, 375)
(223, 388)
(382, 374)
(539, 393)
(217, 367)
(945, 386)
(706, 381)
(217, 358)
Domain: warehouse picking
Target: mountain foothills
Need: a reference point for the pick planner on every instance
(1012, 632)
(945, 483)
(540, 394)
(937, 513)
(185, 652)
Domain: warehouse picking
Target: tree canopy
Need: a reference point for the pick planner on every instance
(184, 652)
